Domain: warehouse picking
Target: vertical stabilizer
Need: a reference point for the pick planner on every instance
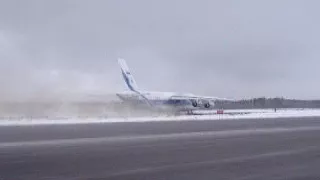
(127, 76)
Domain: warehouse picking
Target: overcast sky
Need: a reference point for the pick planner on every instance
(232, 49)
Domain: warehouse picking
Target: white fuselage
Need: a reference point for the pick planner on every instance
(159, 99)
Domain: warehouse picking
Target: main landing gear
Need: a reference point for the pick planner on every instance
(190, 112)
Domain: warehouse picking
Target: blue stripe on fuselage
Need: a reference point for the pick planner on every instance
(159, 102)
(179, 102)
(127, 81)
(171, 102)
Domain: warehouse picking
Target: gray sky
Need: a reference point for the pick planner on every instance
(232, 49)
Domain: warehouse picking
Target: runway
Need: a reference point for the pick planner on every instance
(247, 149)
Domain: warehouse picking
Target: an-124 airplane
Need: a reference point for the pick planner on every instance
(175, 102)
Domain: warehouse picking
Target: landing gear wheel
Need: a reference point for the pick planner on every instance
(189, 112)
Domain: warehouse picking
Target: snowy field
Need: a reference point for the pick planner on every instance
(228, 115)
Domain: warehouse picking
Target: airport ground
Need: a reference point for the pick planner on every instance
(270, 149)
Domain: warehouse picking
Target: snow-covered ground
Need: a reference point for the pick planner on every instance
(242, 114)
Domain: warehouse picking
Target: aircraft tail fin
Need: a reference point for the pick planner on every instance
(127, 76)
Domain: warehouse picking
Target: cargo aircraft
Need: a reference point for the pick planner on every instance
(173, 101)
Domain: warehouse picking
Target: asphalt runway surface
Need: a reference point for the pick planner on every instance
(266, 149)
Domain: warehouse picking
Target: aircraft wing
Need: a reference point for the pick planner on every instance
(207, 98)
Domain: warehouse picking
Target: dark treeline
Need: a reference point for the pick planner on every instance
(263, 102)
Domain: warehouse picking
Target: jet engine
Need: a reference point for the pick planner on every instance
(201, 103)
(194, 104)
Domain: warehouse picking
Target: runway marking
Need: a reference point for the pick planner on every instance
(187, 165)
(172, 136)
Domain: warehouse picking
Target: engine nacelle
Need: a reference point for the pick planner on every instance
(201, 103)
(194, 103)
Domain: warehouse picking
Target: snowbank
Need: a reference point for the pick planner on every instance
(247, 114)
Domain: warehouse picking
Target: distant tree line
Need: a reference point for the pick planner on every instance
(263, 102)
